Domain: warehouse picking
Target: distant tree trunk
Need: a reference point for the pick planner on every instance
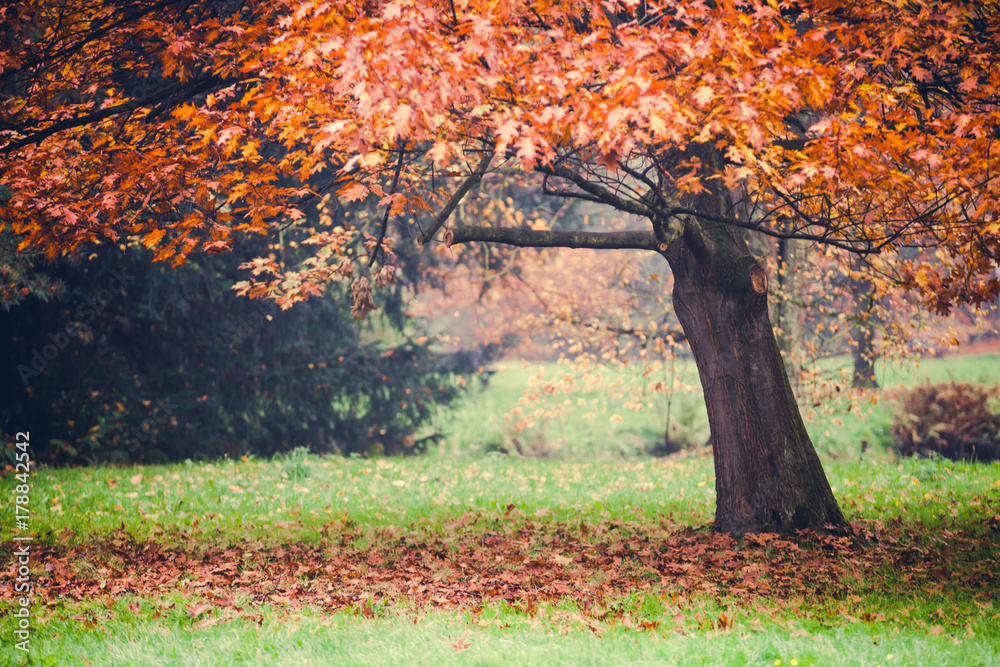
(787, 311)
(767, 473)
(863, 334)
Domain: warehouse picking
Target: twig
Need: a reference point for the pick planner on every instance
(463, 189)
(385, 218)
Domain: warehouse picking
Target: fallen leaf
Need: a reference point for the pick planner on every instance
(208, 622)
(197, 609)
(461, 644)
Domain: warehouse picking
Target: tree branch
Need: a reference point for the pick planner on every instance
(733, 222)
(385, 218)
(463, 189)
(533, 238)
(95, 34)
(195, 88)
(602, 194)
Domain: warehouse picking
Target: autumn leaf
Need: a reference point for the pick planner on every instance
(561, 560)
(197, 609)
(353, 192)
(526, 152)
(207, 622)
(461, 644)
(703, 96)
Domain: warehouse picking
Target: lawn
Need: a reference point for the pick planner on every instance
(594, 554)
(574, 413)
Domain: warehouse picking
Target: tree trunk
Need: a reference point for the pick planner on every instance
(787, 310)
(767, 474)
(863, 334)
(864, 357)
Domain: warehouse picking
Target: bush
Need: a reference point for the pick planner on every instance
(955, 420)
(136, 361)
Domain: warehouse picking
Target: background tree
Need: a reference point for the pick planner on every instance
(868, 128)
(131, 361)
(790, 264)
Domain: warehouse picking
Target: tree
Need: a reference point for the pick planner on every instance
(868, 127)
(787, 309)
(134, 361)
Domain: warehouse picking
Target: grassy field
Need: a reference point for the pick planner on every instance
(586, 426)
(592, 555)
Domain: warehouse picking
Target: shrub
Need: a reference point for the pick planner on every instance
(165, 364)
(955, 420)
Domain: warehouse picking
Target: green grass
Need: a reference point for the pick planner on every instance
(918, 623)
(551, 636)
(261, 500)
(481, 424)
(310, 544)
(982, 368)
(576, 419)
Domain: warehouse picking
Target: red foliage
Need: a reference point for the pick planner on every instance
(956, 420)
(868, 125)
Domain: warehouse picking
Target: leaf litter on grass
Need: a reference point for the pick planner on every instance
(527, 562)
(593, 548)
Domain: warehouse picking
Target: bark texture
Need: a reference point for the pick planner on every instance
(768, 475)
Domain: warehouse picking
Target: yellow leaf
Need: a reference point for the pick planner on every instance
(184, 111)
(657, 125)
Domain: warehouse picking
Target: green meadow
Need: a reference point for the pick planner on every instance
(571, 546)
